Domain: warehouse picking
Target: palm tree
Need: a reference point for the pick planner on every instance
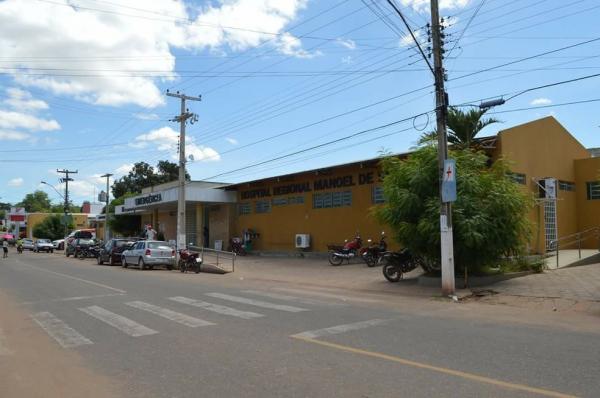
(462, 127)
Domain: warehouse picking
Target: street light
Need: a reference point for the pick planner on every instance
(52, 186)
(65, 221)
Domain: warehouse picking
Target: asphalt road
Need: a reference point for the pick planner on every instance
(164, 334)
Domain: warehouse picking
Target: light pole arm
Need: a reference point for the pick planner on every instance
(52, 186)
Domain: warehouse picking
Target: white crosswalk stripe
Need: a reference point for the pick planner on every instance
(64, 335)
(296, 299)
(220, 309)
(4, 350)
(313, 334)
(256, 303)
(125, 325)
(170, 315)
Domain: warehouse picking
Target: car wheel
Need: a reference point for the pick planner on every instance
(124, 262)
(111, 260)
(141, 264)
(52, 251)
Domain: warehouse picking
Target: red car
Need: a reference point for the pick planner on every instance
(111, 251)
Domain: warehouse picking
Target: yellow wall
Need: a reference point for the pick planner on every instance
(278, 228)
(587, 170)
(79, 220)
(544, 148)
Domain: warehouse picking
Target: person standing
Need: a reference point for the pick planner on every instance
(5, 248)
(150, 233)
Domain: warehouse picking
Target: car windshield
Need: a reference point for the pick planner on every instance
(43, 240)
(85, 242)
(159, 245)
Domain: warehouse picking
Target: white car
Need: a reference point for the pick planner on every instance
(58, 244)
(43, 245)
(148, 253)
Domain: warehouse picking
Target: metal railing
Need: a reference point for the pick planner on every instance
(568, 241)
(219, 259)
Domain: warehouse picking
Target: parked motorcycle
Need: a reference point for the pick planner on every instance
(396, 264)
(20, 249)
(374, 252)
(189, 261)
(87, 252)
(348, 251)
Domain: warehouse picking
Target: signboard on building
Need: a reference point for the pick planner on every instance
(146, 200)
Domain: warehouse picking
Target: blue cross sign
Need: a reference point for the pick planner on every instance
(449, 181)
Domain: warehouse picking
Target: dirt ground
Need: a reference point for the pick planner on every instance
(32, 365)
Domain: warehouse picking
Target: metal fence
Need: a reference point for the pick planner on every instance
(216, 260)
(572, 242)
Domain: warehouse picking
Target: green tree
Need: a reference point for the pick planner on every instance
(51, 228)
(37, 201)
(463, 126)
(142, 175)
(489, 216)
(127, 224)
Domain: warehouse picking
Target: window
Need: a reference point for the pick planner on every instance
(279, 202)
(519, 178)
(244, 208)
(566, 186)
(296, 200)
(263, 206)
(593, 190)
(332, 199)
(377, 195)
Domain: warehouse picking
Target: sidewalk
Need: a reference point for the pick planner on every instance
(317, 272)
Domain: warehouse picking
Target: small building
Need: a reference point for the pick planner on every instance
(333, 203)
(80, 220)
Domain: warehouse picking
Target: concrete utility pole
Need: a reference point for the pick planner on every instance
(441, 111)
(182, 119)
(66, 181)
(106, 213)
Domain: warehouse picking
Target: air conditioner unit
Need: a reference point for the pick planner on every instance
(302, 241)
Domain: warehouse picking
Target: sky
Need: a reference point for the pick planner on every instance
(285, 85)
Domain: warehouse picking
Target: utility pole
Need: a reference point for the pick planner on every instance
(66, 180)
(182, 119)
(441, 111)
(106, 213)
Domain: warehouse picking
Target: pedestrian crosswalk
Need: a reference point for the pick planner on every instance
(191, 312)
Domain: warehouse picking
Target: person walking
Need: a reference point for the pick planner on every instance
(5, 248)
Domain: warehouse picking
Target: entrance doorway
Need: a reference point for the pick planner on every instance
(205, 227)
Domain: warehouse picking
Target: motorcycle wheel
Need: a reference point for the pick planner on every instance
(169, 267)
(196, 267)
(370, 260)
(182, 266)
(391, 273)
(335, 260)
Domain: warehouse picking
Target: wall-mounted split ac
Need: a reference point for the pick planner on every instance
(302, 241)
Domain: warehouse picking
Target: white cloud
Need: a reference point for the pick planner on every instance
(424, 5)
(406, 40)
(348, 60)
(541, 101)
(123, 169)
(20, 99)
(15, 182)
(10, 135)
(232, 141)
(349, 44)
(166, 139)
(83, 188)
(16, 120)
(97, 39)
(146, 116)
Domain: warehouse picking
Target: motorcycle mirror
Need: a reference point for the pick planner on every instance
(369, 240)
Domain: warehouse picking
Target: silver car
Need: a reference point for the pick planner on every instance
(28, 244)
(148, 253)
(43, 245)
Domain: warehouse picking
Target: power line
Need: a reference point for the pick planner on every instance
(545, 106)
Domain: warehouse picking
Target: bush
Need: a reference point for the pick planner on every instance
(52, 227)
(489, 217)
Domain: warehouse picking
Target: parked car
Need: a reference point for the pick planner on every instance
(78, 244)
(148, 253)
(43, 245)
(28, 244)
(59, 244)
(112, 251)
(80, 234)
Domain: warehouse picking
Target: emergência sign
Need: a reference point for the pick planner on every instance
(146, 200)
